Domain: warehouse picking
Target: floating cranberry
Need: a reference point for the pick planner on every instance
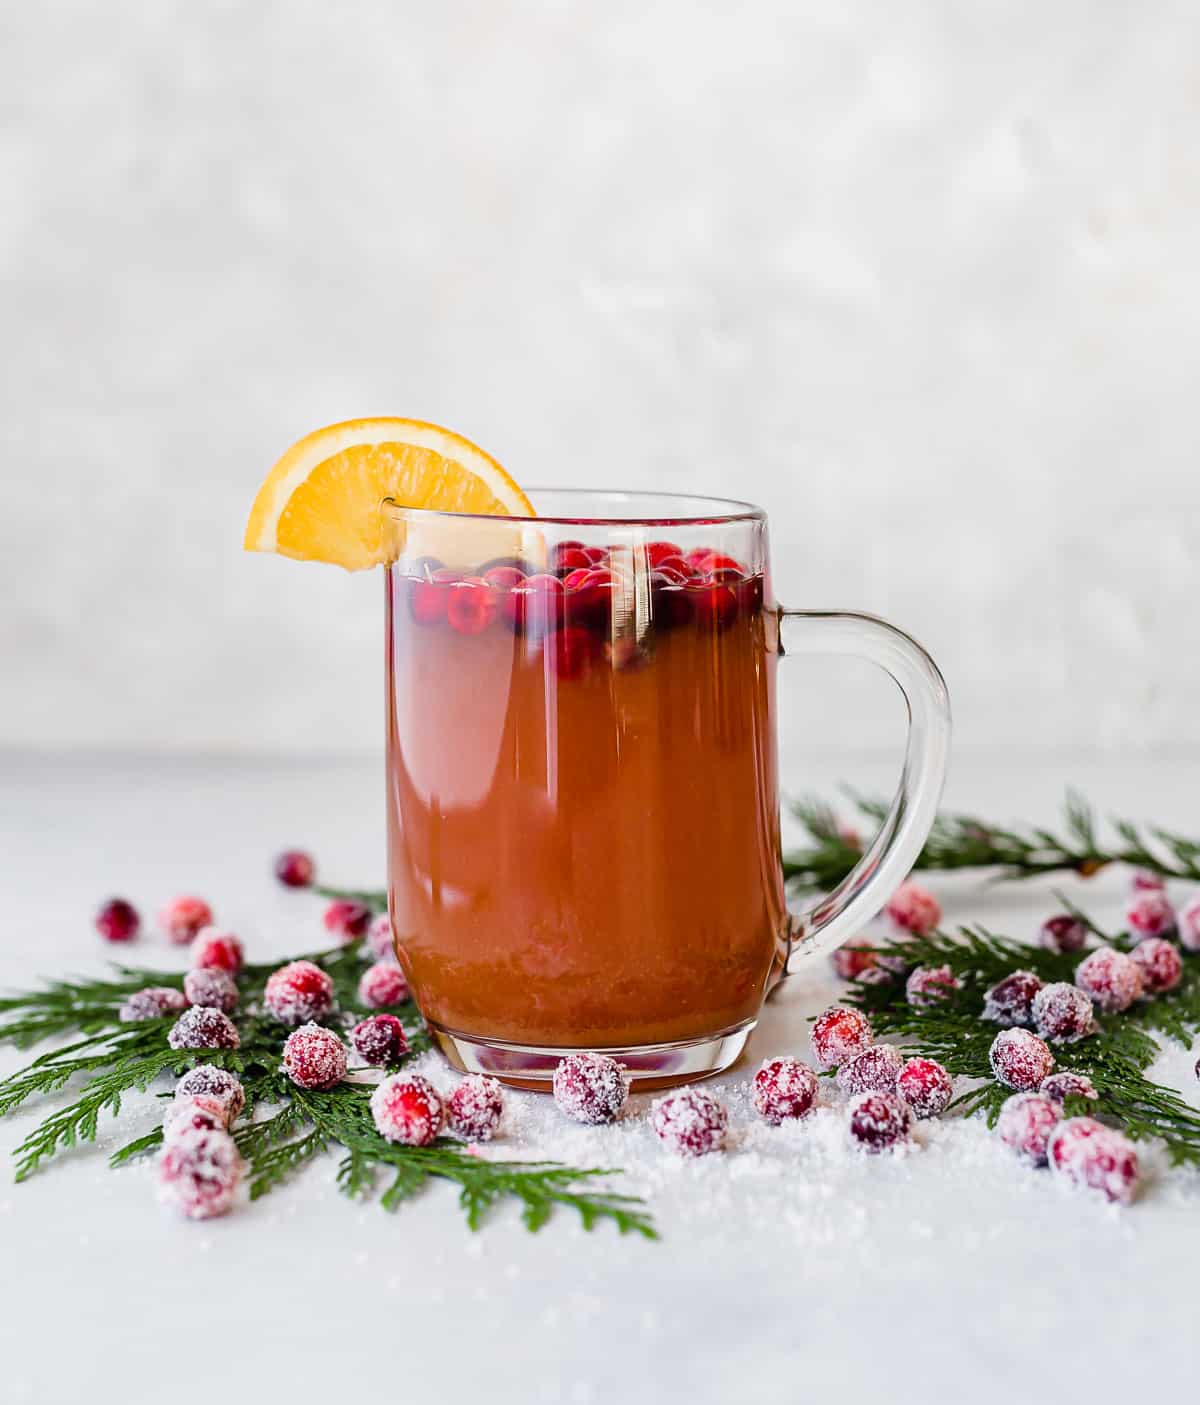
(1160, 964)
(1025, 1123)
(213, 988)
(715, 599)
(1062, 933)
(839, 1034)
(347, 920)
(208, 1080)
(217, 950)
(502, 578)
(590, 1087)
(1150, 915)
(314, 1057)
(379, 1040)
(574, 650)
(533, 608)
(1111, 978)
(1143, 881)
(1010, 1001)
(407, 1109)
(929, 984)
(198, 1174)
(596, 555)
(588, 600)
(1063, 1013)
(471, 606)
(199, 1113)
(706, 560)
(475, 1108)
(874, 1070)
(690, 1122)
(298, 992)
(925, 1086)
(1064, 1085)
(183, 917)
(569, 556)
(382, 984)
(152, 1004)
(1189, 925)
(784, 1088)
(1020, 1060)
(295, 869)
(118, 921)
(379, 938)
(914, 909)
(670, 600)
(658, 552)
(1086, 1153)
(850, 961)
(879, 1121)
(200, 1027)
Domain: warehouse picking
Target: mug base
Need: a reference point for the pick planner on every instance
(650, 1066)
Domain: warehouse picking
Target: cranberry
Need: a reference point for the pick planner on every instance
(1025, 1123)
(706, 560)
(1143, 881)
(502, 578)
(874, 1070)
(574, 649)
(1063, 1013)
(347, 920)
(183, 917)
(596, 555)
(670, 600)
(382, 984)
(199, 1113)
(379, 1040)
(407, 1109)
(589, 598)
(1020, 1060)
(1089, 1154)
(715, 599)
(569, 556)
(925, 1086)
(151, 1004)
(1189, 925)
(690, 1122)
(590, 1087)
(658, 552)
(298, 992)
(379, 938)
(198, 1174)
(211, 987)
(1010, 1001)
(471, 606)
(850, 961)
(200, 1027)
(929, 984)
(218, 951)
(1064, 1085)
(314, 1057)
(1111, 978)
(533, 608)
(1160, 964)
(1062, 933)
(295, 869)
(839, 1034)
(118, 921)
(213, 1082)
(428, 596)
(914, 909)
(475, 1108)
(1150, 915)
(879, 1121)
(784, 1088)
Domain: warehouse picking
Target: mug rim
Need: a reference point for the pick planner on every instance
(719, 510)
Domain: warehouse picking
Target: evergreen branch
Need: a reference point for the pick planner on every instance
(63, 1007)
(140, 1146)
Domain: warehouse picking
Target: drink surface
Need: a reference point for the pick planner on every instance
(583, 814)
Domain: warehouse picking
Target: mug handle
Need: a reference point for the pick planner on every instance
(837, 916)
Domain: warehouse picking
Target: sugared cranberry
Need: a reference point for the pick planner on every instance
(212, 987)
(875, 1070)
(1020, 1060)
(1010, 1001)
(379, 938)
(534, 607)
(198, 1174)
(1062, 933)
(925, 1086)
(1160, 964)
(295, 869)
(1086, 1153)
(839, 1034)
(715, 599)
(1143, 881)
(569, 556)
(1063, 1013)
(471, 606)
(151, 1004)
(200, 1027)
(1189, 925)
(183, 917)
(379, 1040)
(1025, 1123)
(929, 984)
(1150, 915)
(218, 951)
(314, 1057)
(879, 1121)
(658, 552)
(407, 1109)
(118, 921)
(857, 956)
(208, 1080)
(784, 1088)
(574, 650)
(1111, 978)
(590, 1087)
(475, 1108)
(382, 984)
(199, 1113)
(298, 992)
(914, 909)
(347, 920)
(690, 1122)
(1064, 1085)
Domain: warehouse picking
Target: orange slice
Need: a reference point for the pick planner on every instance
(324, 500)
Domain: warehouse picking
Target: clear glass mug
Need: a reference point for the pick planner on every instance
(582, 798)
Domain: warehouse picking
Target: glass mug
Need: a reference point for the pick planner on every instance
(582, 798)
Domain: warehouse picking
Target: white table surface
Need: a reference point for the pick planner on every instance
(785, 1267)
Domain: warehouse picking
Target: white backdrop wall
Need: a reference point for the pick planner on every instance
(920, 278)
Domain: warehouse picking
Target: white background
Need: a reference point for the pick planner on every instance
(921, 279)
